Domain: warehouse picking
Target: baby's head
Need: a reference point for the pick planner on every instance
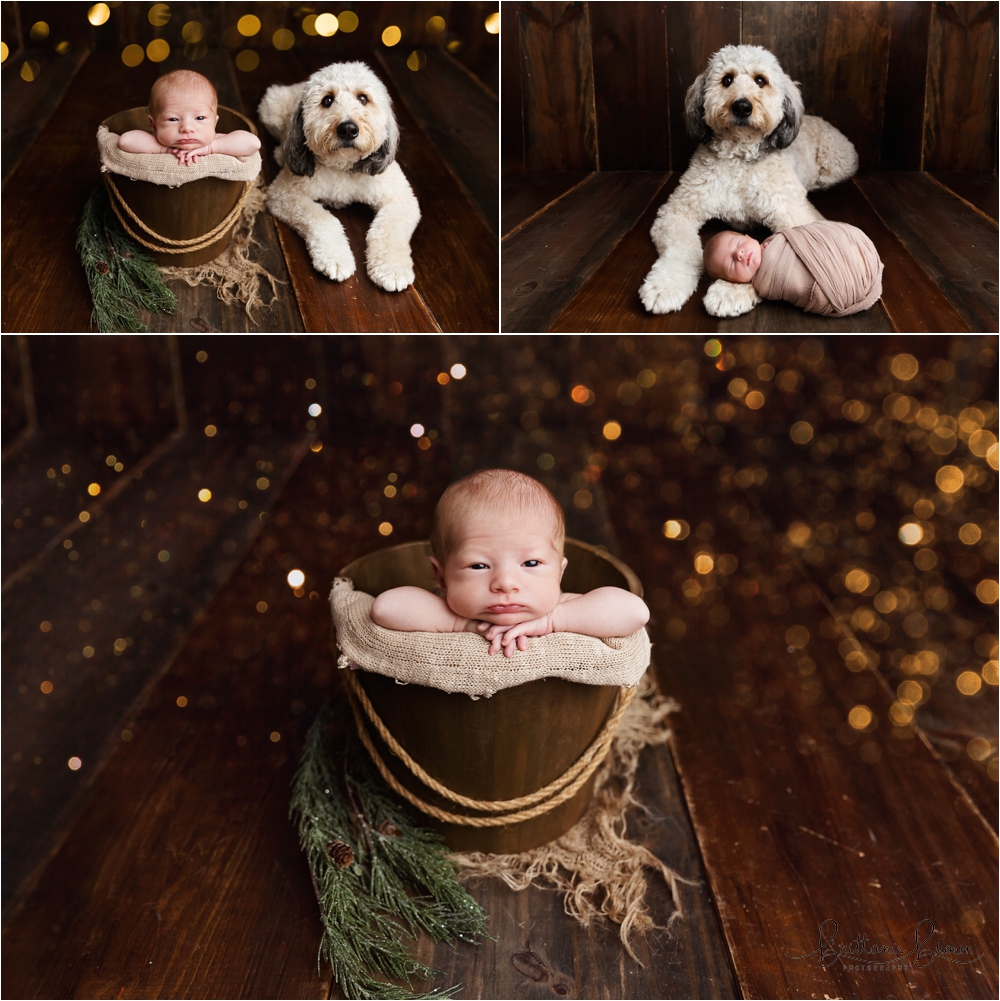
(732, 256)
(498, 547)
(183, 109)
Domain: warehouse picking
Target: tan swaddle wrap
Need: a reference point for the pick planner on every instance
(825, 267)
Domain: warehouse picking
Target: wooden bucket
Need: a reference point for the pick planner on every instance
(185, 213)
(497, 748)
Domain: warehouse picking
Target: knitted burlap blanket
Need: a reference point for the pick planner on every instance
(825, 267)
(459, 662)
(163, 168)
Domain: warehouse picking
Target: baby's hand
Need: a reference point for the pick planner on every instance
(512, 638)
(188, 157)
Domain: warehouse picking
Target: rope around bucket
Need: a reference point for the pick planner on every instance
(527, 807)
(166, 245)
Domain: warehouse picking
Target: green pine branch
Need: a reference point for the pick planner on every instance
(121, 277)
(401, 881)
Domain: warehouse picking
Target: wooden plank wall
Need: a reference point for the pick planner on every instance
(601, 86)
(557, 98)
(960, 130)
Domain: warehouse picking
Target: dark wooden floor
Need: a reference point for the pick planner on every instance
(165, 866)
(449, 152)
(576, 248)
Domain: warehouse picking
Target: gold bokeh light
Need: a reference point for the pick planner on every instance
(158, 50)
(327, 25)
(860, 717)
(133, 54)
(159, 14)
(949, 479)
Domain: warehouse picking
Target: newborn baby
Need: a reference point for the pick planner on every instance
(182, 113)
(498, 558)
(824, 267)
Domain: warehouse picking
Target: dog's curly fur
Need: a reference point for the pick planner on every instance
(338, 145)
(759, 156)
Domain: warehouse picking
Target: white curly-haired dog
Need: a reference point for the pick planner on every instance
(338, 145)
(759, 156)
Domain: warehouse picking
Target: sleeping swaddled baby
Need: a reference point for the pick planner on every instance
(183, 113)
(825, 267)
(498, 558)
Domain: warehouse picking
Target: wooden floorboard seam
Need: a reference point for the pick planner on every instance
(469, 73)
(953, 246)
(95, 507)
(964, 201)
(547, 206)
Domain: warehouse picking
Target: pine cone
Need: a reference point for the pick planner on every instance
(340, 852)
(388, 828)
(102, 267)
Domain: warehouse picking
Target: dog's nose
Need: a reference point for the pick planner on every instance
(349, 130)
(742, 108)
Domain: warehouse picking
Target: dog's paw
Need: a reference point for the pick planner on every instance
(392, 272)
(337, 267)
(729, 299)
(661, 295)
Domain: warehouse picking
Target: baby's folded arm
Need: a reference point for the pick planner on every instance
(605, 611)
(238, 143)
(412, 609)
(138, 141)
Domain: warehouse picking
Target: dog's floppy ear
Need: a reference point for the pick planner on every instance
(694, 110)
(378, 161)
(788, 128)
(299, 157)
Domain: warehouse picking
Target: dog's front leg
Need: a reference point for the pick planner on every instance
(289, 200)
(674, 277)
(793, 211)
(390, 263)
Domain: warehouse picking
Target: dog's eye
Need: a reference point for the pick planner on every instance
(760, 81)
(362, 98)
(327, 101)
(727, 79)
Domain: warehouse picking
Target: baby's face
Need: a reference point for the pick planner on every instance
(733, 256)
(502, 569)
(185, 120)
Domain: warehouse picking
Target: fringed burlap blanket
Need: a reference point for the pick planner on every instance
(233, 275)
(599, 871)
(825, 267)
(459, 662)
